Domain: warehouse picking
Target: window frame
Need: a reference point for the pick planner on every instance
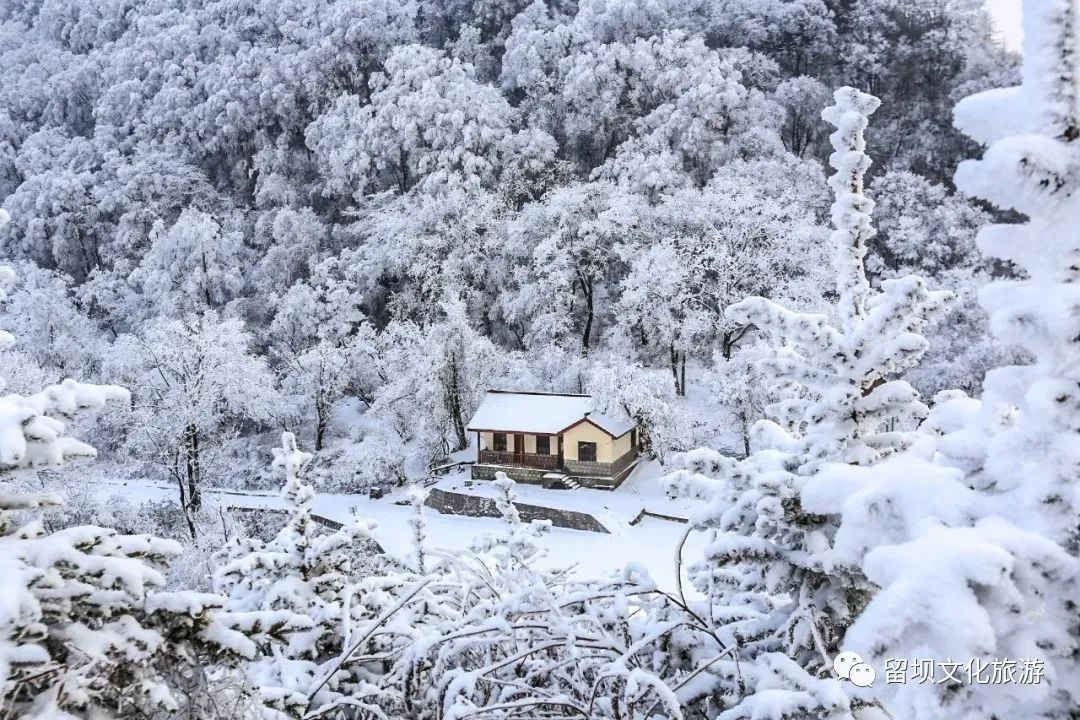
(546, 439)
(582, 446)
(498, 439)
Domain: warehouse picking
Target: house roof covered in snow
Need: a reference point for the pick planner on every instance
(543, 413)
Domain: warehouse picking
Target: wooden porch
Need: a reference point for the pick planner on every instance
(516, 459)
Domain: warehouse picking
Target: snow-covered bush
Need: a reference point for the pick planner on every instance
(503, 637)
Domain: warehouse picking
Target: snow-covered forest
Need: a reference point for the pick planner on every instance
(822, 254)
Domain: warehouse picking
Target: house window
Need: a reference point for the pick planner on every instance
(498, 442)
(543, 445)
(586, 451)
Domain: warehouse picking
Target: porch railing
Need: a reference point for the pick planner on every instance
(543, 462)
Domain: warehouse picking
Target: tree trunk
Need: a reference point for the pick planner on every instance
(194, 471)
(678, 369)
(673, 362)
(453, 406)
(320, 429)
(729, 340)
(682, 379)
(183, 499)
(587, 286)
(745, 433)
(321, 420)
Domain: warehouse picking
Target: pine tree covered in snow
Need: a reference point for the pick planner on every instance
(1032, 169)
(295, 595)
(988, 569)
(772, 588)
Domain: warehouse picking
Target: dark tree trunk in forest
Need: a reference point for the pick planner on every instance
(452, 398)
(183, 501)
(745, 433)
(320, 425)
(678, 369)
(193, 469)
(586, 285)
(729, 340)
(588, 323)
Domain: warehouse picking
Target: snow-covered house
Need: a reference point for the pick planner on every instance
(543, 437)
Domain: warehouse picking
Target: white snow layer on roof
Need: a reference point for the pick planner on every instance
(539, 413)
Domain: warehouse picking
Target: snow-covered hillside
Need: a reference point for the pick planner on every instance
(536, 359)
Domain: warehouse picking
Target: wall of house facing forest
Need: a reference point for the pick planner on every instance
(607, 449)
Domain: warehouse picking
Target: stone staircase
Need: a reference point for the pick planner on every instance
(559, 481)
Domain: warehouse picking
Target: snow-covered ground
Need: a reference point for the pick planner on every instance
(651, 543)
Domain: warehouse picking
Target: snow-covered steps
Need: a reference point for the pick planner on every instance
(559, 481)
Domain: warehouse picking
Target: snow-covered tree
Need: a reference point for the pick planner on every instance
(988, 530)
(323, 345)
(193, 266)
(297, 593)
(1031, 134)
(626, 389)
(569, 242)
(704, 250)
(57, 339)
(86, 628)
(801, 97)
(433, 379)
(193, 381)
(848, 373)
(740, 385)
(429, 123)
(418, 248)
(765, 572)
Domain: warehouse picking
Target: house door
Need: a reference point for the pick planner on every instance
(560, 451)
(519, 448)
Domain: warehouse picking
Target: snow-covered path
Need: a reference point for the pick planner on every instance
(651, 543)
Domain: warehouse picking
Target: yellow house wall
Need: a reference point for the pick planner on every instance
(606, 450)
(622, 445)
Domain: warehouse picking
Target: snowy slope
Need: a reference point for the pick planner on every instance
(651, 543)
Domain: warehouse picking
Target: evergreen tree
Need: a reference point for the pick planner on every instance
(770, 584)
(971, 535)
(297, 594)
(1006, 554)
